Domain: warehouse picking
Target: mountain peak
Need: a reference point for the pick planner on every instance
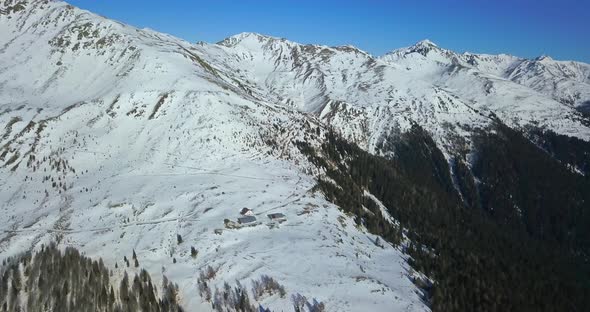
(246, 36)
(425, 43)
(423, 47)
(544, 58)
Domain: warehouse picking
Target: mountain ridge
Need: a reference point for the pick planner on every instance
(126, 140)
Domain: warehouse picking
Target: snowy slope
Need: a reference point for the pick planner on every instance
(368, 98)
(568, 82)
(116, 139)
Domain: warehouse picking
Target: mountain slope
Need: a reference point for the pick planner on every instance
(564, 81)
(116, 140)
(119, 140)
(367, 98)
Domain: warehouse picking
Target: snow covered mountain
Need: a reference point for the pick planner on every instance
(117, 140)
(564, 81)
(366, 97)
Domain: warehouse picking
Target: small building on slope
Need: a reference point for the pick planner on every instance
(278, 217)
(246, 220)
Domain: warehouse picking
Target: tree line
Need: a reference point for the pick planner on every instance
(507, 231)
(52, 280)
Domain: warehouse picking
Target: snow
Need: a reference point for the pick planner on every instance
(366, 99)
(149, 137)
(161, 137)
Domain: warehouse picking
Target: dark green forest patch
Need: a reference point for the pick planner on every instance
(482, 254)
(52, 280)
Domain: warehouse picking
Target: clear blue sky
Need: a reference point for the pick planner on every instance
(528, 28)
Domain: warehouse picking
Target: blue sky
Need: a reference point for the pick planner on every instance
(528, 28)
